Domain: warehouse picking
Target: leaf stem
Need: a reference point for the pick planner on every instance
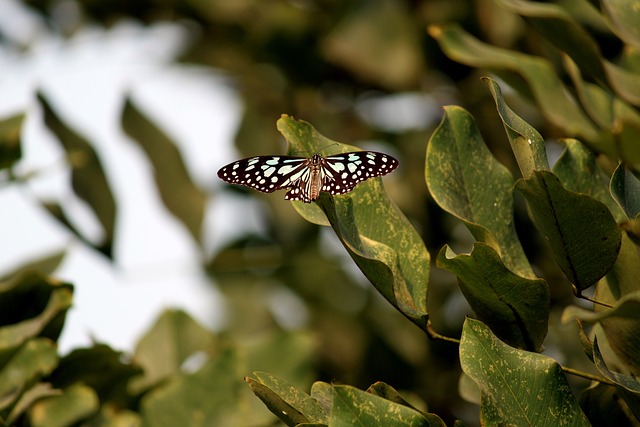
(587, 375)
(595, 301)
(436, 336)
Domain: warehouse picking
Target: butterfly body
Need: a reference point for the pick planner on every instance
(307, 177)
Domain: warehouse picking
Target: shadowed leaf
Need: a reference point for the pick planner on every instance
(88, 179)
(178, 192)
(570, 223)
(515, 308)
(467, 181)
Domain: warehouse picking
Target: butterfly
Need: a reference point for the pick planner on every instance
(306, 177)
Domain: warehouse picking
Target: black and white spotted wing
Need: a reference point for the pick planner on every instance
(307, 177)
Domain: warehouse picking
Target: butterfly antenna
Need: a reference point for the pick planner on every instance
(306, 152)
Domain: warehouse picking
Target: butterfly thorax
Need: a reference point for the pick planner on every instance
(315, 179)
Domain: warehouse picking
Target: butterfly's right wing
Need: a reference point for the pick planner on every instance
(266, 173)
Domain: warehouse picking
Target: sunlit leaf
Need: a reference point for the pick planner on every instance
(518, 387)
(76, 403)
(32, 361)
(289, 404)
(355, 407)
(625, 19)
(389, 393)
(379, 238)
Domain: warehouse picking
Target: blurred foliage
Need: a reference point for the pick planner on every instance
(565, 76)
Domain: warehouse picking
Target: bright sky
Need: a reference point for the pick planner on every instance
(86, 80)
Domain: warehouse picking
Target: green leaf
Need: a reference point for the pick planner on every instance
(629, 382)
(208, 397)
(178, 192)
(289, 404)
(47, 300)
(111, 415)
(605, 405)
(287, 354)
(389, 393)
(559, 28)
(578, 171)
(611, 113)
(541, 82)
(28, 398)
(47, 265)
(379, 42)
(103, 369)
(379, 238)
(526, 143)
(10, 140)
(88, 179)
(625, 189)
(173, 338)
(353, 407)
(515, 308)
(626, 84)
(627, 307)
(572, 223)
(624, 18)
(562, 31)
(620, 288)
(78, 402)
(467, 181)
(518, 387)
(32, 361)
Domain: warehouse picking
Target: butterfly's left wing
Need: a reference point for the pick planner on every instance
(266, 173)
(342, 172)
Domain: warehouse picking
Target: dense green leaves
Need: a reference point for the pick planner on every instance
(518, 387)
(540, 80)
(379, 238)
